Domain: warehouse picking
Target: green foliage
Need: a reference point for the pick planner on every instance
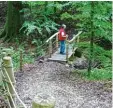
(30, 28)
(101, 21)
(27, 58)
(37, 20)
(16, 59)
(100, 55)
(37, 27)
(103, 57)
(101, 74)
(96, 74)
(84, 46)
(66, 16)
(78, 14)
(39, 47)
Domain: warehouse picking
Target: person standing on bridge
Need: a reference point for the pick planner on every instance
(62, 37)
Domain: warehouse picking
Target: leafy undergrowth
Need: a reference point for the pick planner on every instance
(29, 52)
(96, 74)
(101, 74)
(27, 58)
(103, 71)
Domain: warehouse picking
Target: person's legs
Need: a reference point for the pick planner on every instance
(62, 46)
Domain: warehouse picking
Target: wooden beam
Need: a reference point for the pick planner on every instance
(78, 39)
(8, 70)
(75, 36)
(50, 48)
(52, 37)
(57, 42)
(67, 48)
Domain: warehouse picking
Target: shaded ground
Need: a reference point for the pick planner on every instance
(56, 79)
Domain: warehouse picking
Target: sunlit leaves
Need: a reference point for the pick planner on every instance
(65, 16)
(37, 18)
(30, 27)
(101, 21)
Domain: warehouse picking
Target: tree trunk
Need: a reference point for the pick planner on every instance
(46, 3)
(91, 39)
(13, 22)
(55, 6)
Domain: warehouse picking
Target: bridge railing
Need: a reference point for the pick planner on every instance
(50, 42)
(73, 40)
(7, 80)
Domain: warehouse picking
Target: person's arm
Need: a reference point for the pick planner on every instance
(63, 35)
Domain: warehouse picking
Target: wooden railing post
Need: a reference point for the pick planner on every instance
(50, 47)
(8, 70)
(77, 39)
(56, 41)
(7, 63)
(0, 71)
(50, 43)
(74, 42)
(67, 48)
(1, 58)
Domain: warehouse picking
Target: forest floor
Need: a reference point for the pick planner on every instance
(70, 91)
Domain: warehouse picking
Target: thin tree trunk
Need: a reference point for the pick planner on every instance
(91, 39)
(55, 7)
(46, 3)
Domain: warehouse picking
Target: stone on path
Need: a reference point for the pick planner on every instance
(43, 101)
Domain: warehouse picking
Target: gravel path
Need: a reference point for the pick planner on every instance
(55, 78)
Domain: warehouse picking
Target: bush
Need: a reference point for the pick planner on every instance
(27, 58)
(104, 59)
(100, 54)
(98, 74)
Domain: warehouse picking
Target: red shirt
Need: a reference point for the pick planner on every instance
(61, 34)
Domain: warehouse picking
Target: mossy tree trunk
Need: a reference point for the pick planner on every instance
(13, 21)
(91, 39)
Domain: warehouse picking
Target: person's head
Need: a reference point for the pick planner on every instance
(63, 26)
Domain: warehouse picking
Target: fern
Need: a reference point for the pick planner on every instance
(37, 20)
(30, 27)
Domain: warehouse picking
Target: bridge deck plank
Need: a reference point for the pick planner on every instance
(59, 57)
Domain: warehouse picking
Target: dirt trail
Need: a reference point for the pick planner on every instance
(55, 78)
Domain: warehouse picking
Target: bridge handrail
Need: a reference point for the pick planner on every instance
(52, 37)
(50, 43)
(75, 36)
(72, 41)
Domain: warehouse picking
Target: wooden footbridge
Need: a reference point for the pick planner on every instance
(71, 46)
